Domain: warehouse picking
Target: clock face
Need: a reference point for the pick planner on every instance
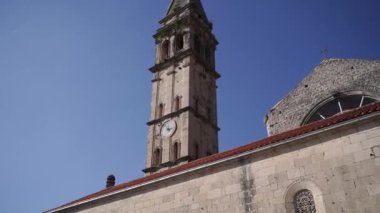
(168, 128)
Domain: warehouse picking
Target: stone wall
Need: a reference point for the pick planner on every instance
(164, 91)
(328, 78)
(340, 166)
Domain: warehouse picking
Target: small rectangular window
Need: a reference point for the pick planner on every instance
(160, 111)
(177, 103)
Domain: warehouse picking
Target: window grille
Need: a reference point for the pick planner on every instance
(304, 202)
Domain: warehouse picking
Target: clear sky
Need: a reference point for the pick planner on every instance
(75, 85)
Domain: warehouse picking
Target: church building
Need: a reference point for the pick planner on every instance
(322, 153)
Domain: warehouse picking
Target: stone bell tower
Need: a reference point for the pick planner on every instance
(183, 119)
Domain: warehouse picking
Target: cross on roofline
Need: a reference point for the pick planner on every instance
(324, 52)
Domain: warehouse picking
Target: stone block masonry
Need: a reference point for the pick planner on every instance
(332, 76)
(339, 166)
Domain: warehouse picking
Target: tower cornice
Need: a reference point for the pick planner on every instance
(177, 113)
(189, 52)
(191, 20)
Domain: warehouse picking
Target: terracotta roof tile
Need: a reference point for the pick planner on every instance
(348, 115)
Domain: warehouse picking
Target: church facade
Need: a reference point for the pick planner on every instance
(322, 153)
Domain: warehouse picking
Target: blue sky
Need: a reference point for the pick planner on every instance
(75, 85)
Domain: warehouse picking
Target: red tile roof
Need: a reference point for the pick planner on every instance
(345, 116)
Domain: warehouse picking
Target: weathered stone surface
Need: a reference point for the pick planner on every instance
(339, 181)
(327, 79)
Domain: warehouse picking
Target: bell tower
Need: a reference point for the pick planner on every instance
(183, 118)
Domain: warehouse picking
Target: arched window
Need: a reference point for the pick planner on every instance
(196, 105)
(197, 44)
(157, 157)
(160, 112)
(196, 150)
(177, 103)
(176, 151)
(165, 49)
(304, 196)
(208, 113)
(179, 42)
(207, 55)
(337, 104)
(304, 202)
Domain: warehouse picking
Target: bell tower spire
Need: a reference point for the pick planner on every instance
(178, 4)
(183, 119)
